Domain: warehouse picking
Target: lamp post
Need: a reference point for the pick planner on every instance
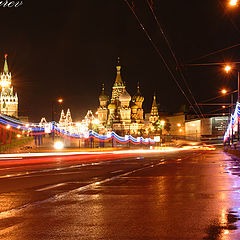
(60, 101)
(224, 92)
(227, 69)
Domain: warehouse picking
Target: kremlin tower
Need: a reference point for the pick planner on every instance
(8, 99)
(154, 116)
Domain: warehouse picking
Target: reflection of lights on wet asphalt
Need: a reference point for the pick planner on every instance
(226, 232)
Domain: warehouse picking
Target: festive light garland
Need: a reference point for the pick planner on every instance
(233, 122)
(34, 130)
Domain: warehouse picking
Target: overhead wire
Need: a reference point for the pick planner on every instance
(173, 54)
(214, 52)
(161, 56)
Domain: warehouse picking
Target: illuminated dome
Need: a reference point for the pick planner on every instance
(125, 97)
(134, 106)
(103, 96)
(138, 96)
(112, 106)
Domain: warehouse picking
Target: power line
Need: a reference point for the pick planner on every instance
(174, 56)
(208, 64)
(160, 55)
(215, 52)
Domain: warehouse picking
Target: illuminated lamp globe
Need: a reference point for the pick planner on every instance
(227, 68)
(224, 91)
(233, 2)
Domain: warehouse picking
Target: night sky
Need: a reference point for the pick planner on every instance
(67, 48)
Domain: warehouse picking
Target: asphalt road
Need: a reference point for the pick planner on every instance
(178, 195)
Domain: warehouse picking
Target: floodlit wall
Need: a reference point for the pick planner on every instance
(193, 129)
(177, 124)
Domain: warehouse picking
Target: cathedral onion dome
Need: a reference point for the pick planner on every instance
(138, 96)
(103, 96)
(125, 97)
(112, 106)
(134, 106)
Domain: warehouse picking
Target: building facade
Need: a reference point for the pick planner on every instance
(8, 99)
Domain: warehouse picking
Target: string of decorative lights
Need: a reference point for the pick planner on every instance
(233, 122)
(34, 130)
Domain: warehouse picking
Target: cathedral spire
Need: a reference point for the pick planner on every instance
(103, 88)
(118, 80)
(103, 97)
(5, 70)
(138, 88)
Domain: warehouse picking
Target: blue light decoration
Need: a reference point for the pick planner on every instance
(34, 129)
(233, 122)
(107, 137)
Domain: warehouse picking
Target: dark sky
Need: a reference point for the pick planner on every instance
(68, 48)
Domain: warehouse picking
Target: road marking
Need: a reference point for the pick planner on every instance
(27, 174)
(117, 171)
(51, 187)
(7, 213)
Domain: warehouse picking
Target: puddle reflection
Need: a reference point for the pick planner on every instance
(221, 228)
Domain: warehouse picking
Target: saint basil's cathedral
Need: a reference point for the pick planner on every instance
(123, 113)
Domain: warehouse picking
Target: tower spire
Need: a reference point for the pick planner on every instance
(154, 104)
(118, 78)
(5, 70)
(138, 88)
(154, 111)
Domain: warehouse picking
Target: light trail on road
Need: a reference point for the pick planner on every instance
(48, 154)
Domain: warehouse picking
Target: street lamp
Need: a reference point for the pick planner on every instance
(227, 69)
(60, 101)
(233, 3)
(224, 91)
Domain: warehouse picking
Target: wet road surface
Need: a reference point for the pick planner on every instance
(181, 195)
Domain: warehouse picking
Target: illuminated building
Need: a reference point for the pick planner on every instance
(123, 113)
(65, 122)
(154, 115)
(8, 99)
